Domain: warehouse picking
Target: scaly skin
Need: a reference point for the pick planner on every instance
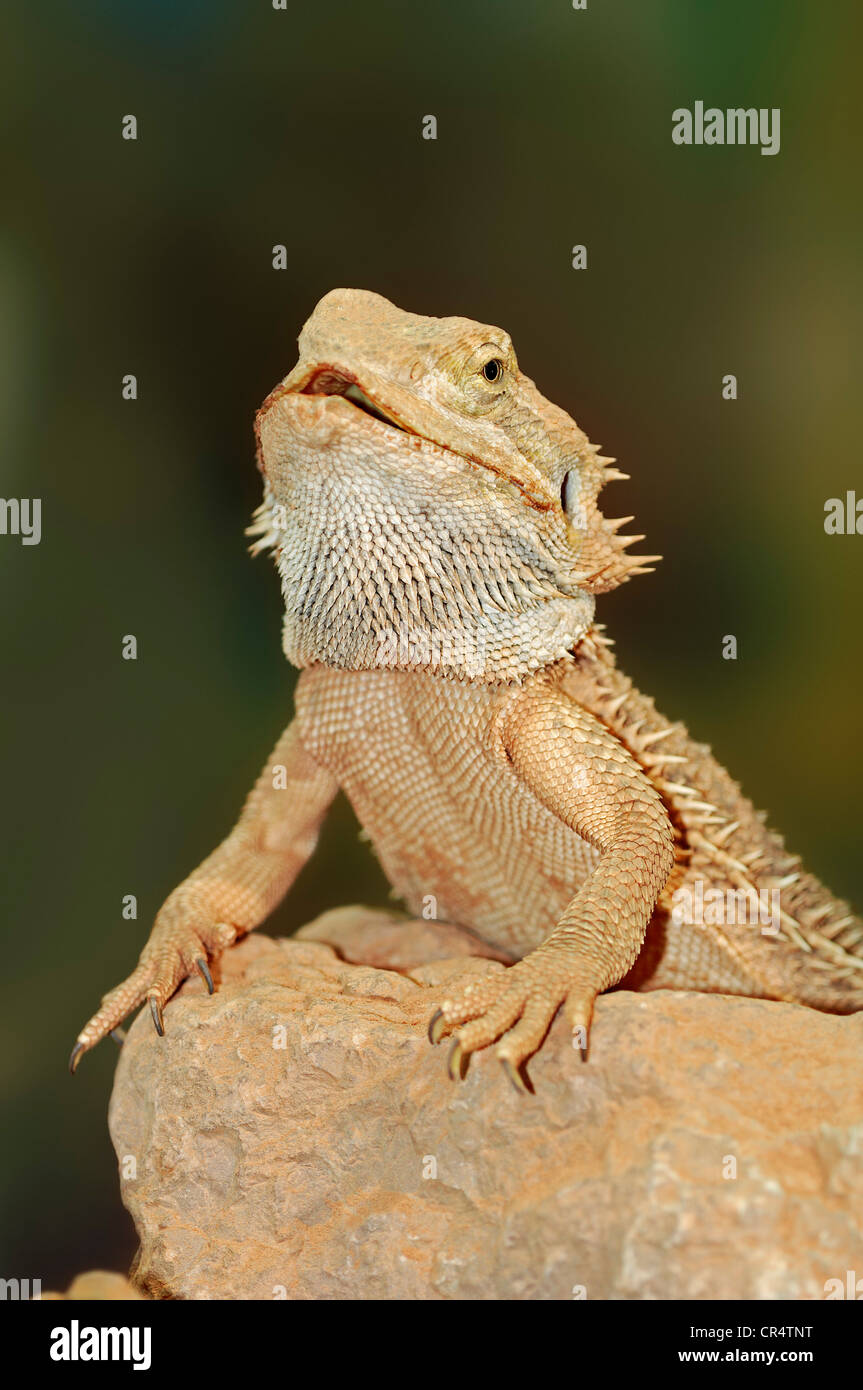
(437, 534)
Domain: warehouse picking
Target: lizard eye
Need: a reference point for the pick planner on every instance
(493, 369)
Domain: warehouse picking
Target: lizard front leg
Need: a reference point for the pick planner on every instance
(232, 891)
(577, 768)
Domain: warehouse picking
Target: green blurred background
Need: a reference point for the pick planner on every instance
(303, 127)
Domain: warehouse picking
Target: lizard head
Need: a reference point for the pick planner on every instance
(427, 507)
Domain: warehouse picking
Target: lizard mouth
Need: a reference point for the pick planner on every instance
(389, 404)
(330, 383)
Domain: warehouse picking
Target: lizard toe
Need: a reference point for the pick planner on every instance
(472, 1000)
(115, 1006)
(578, 1012)
(166, 962)
(489, 1026)
(526, 1037)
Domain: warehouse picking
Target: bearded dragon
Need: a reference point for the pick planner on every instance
(436, 529)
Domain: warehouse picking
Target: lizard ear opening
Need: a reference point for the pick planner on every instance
(570, 492)
(603, 552)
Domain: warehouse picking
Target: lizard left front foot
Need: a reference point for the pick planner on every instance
(517, 1005)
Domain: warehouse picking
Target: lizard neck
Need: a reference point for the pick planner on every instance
(486, 647)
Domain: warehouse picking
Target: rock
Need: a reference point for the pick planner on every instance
(97, 1286)
(392, 943)
(296, 1136)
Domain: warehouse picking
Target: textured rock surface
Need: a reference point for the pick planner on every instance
(296, 1135)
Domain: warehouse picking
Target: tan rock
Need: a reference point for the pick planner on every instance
(296, 1136)
(393, 942)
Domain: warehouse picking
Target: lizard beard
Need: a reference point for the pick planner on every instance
(464, 585)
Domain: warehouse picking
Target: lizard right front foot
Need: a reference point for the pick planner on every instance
(180, 942)
(517, 1006)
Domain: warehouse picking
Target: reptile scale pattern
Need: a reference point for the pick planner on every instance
(437, 533)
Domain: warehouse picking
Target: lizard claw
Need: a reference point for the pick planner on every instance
(457, 1062)
(437, 1026)
(204, 972)
(156, 1011)
(75, 1056)
(514, 1076)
